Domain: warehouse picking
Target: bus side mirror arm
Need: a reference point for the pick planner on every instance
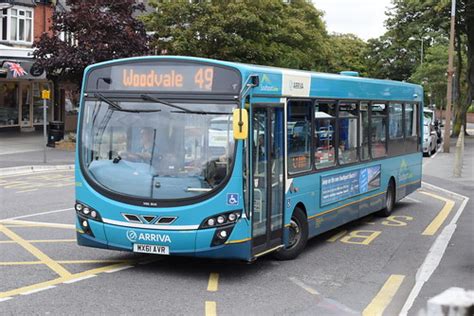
(240, 116)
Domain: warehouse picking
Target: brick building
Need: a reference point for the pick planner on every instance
(22, 22)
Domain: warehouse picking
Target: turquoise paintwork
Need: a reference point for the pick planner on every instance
(406, 170)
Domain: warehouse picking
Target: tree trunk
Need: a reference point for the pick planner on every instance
(469, 20)
(457, 104)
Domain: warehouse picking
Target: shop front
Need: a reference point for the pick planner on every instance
(21, 106)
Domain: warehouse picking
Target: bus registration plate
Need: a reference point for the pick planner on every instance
(155, 249)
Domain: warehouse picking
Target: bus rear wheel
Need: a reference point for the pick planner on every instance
(389, 200)
(298, 236)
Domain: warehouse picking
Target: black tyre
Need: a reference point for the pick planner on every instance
(297, 238)
(389, 200)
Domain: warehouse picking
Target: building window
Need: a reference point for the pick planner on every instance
(8, 104)
(17, 25)
(4, 25)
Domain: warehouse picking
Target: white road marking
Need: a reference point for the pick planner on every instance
(304, 286)
(59, 225)
(118, 269)
(333, 305)
(411, 199)
(36, 214)
(430, 159)
(38, 290)
(5, 299)
(80, 279)
(435, 253)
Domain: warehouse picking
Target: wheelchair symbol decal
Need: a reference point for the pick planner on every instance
(232, 199)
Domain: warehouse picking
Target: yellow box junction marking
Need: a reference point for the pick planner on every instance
(383, 298)
(53, 265)
(438, 221)
(49, 283)
(28, 183)
(211, 308)
(213, 282)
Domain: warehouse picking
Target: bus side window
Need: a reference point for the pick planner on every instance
(378, 130)
(299, 136)
(324, 135)
(364, 131)
(348, 124)
(395, 126)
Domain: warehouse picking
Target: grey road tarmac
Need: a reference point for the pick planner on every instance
(366, 267)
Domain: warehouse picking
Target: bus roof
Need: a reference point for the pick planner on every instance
(283, 82)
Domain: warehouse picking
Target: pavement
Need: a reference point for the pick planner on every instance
(456, 268)
(27, 149)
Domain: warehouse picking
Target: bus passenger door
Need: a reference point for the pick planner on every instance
(268, 177)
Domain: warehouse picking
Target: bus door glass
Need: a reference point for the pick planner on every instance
(268, 177)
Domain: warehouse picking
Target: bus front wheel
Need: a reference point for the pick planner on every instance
(298, 236)
(389, 200)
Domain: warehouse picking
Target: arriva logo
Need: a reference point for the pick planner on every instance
(133, 237)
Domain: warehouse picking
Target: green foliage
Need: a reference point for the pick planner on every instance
(432, 74)
(265, 32)
(347, 53)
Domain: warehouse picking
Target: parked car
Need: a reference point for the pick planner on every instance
(431, 132)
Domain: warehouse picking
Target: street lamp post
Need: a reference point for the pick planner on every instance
(422, 39)
(447, 124)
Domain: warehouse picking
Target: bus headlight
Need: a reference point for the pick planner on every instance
(211, 222)
(84, 211)
(221, 235)
(220, 220)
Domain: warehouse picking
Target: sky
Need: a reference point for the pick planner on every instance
(364, 18)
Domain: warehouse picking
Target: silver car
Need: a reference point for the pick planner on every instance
(430, 140)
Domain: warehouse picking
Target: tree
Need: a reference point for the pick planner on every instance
(397, 51)
(469, 23)
(95, 31)
(432, 74)
(389, 57)
(266, 32)
(347, 53)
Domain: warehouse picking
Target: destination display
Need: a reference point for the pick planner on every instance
(344, 185)
(165, 76)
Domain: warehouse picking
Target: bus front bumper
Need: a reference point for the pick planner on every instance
(196, 243)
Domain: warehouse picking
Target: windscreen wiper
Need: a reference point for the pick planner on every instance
(102, 98)
(181, 109)
(148, 97)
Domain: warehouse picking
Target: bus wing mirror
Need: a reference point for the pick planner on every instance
(240, 123)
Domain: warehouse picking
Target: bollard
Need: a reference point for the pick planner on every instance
(459, 154)
(452, 302)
